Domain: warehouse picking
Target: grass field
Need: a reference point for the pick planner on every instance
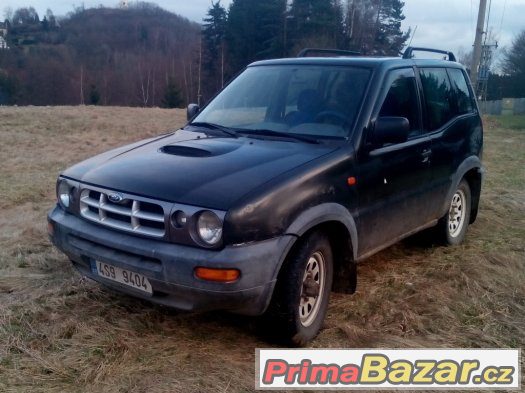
(61, 333)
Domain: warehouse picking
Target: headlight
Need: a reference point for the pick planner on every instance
(209, 227)
(64, 198)
(65, 191)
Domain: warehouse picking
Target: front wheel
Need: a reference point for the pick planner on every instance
(301, 295)
(453, 226)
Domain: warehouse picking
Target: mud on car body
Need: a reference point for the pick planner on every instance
(266, 200)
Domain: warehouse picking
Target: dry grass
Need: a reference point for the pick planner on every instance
(60, 333)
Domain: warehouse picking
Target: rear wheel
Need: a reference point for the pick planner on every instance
(301, 295)
(453, 226)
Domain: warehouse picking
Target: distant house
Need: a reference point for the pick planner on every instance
(3, 35)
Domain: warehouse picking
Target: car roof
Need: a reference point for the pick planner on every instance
(369, 62)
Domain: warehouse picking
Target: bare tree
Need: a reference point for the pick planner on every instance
(144, 74)
(82, 85)
(8, 13)
(464, 57)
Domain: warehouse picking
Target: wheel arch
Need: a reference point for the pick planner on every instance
(474, 178)
(472, 171)
(338, 224)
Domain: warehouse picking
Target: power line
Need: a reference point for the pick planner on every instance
(471, 13)
(502, 17)
(487, 25)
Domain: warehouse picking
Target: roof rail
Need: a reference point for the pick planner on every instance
(408, 52)
(339, 52)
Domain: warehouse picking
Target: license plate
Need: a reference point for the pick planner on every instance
(123, 276)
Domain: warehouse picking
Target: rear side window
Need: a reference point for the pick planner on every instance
(464, 98)
(438, 97)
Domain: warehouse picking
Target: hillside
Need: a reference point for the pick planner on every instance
(100, 56)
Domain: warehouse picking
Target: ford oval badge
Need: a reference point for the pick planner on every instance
(115, 197)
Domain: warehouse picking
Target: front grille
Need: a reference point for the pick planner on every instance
(129, 214)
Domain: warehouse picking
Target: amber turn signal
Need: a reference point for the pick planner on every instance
(50, 229)
(217, 275)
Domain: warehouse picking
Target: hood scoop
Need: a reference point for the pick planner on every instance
(208, 147)
(185, 151)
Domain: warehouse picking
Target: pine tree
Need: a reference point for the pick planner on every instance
(373, 27)
(51, 19)
(45, 24)
(389, 39)
(317, 23)
(8, 89)
(214, 47)
(94, 95)
(172, 96)
(255, 30)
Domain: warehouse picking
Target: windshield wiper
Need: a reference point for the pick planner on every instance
(212, 126)
(298, 137)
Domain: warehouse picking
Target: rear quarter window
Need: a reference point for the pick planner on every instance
(465, 101)
(438, 97)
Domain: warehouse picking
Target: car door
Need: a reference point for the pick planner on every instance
(393, 178)
(455, 133)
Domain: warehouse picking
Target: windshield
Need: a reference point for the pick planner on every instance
(322, 101)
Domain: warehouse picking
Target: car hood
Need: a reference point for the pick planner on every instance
(192, 168)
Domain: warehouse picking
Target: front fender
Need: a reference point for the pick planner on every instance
(324, 213)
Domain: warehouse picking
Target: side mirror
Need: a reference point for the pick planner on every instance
(390, 130)
(191, 111)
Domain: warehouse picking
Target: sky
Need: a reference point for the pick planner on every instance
(443, 24)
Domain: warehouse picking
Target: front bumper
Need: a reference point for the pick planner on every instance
(170, 267)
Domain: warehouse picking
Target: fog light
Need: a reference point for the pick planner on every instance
(179, 219)
(217, 275)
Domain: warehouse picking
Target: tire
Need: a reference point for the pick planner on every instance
(293, 317)
(452, 227)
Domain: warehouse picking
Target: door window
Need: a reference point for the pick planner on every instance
(438, 97)
(402, 99)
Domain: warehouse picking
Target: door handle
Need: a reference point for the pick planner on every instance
(425, 155)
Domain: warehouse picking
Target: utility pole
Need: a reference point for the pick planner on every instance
(484, 69)
(476, 56)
